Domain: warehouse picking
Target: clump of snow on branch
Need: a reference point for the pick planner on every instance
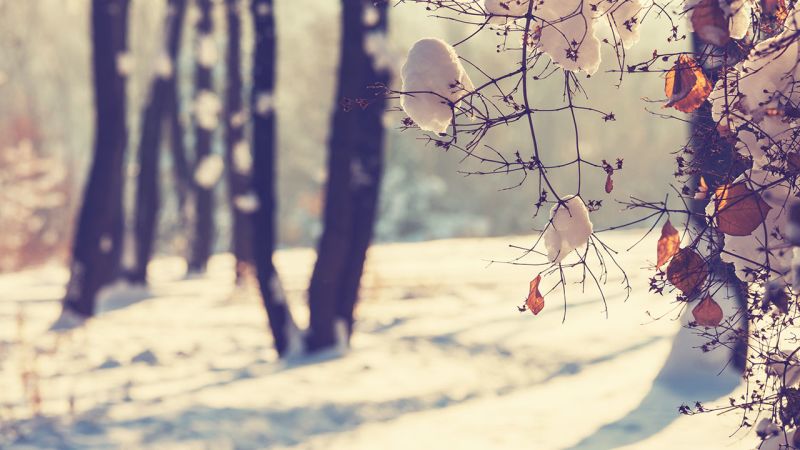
(569, 228)
(566, 29)
(125, 63)
(567, 35)
(207, 108)
(378, 47)
(164, 67)
(208, 171)
(625, 15)
(246, 203)
(242, 158)
(433, 82)
(264, 103)
(207, 54)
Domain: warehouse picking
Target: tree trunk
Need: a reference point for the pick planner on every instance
(284, 330)
(98, 241)
(715, 159)
(237, 157)
(153, 122)
(202, 243)
(355, 164)
(180, 163)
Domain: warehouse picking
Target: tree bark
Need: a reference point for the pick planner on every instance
(203, 238)
(238, 177)
(153, 122)
(281, 322)
(98, 241)
(355, 164)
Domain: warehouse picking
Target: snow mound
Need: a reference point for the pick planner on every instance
(433, 79)
(569, 228)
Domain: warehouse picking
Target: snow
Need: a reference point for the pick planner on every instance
(433, 78)
(246, 203)
(440, 357)
(125, 63)
(242, 158)
(207, 108)
(265, 103)
(164, 67)
(207, 53)
(568, 35)
(209, 170)
(568, 229)
(371, 16)
(625, 15)
(378, 47)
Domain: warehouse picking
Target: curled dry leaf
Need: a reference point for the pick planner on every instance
(687, 271)
(686, 85)
(707, 313)
(709, 22)
(668, 244)
(609, 184)
(739, 210)
(535, 302)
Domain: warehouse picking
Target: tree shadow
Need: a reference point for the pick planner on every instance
(688, 376)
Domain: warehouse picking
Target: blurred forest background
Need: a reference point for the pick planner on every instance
(46, 120)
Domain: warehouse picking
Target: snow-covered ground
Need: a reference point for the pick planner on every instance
(441, 359)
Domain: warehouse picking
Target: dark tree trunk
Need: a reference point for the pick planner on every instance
(715, 159)
(355, 164)
(202, 241)
(263, 180)
(153, 122)
(98, 241)
(238, 176)
(180, 163)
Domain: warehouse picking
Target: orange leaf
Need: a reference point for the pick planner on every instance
(739, 210)
(702, 190)
(687, 271)
(774, 7)
(668, 243)
(609, 184)
(710, 23)
(686, 85)
(707, 313)
(535, 300)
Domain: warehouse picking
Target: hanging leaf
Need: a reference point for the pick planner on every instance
(609, 184)
(707, 313)
(686, 85)
(535, 302)
(687, 271)
(739, 210)
(668, 244)
(709, 22)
